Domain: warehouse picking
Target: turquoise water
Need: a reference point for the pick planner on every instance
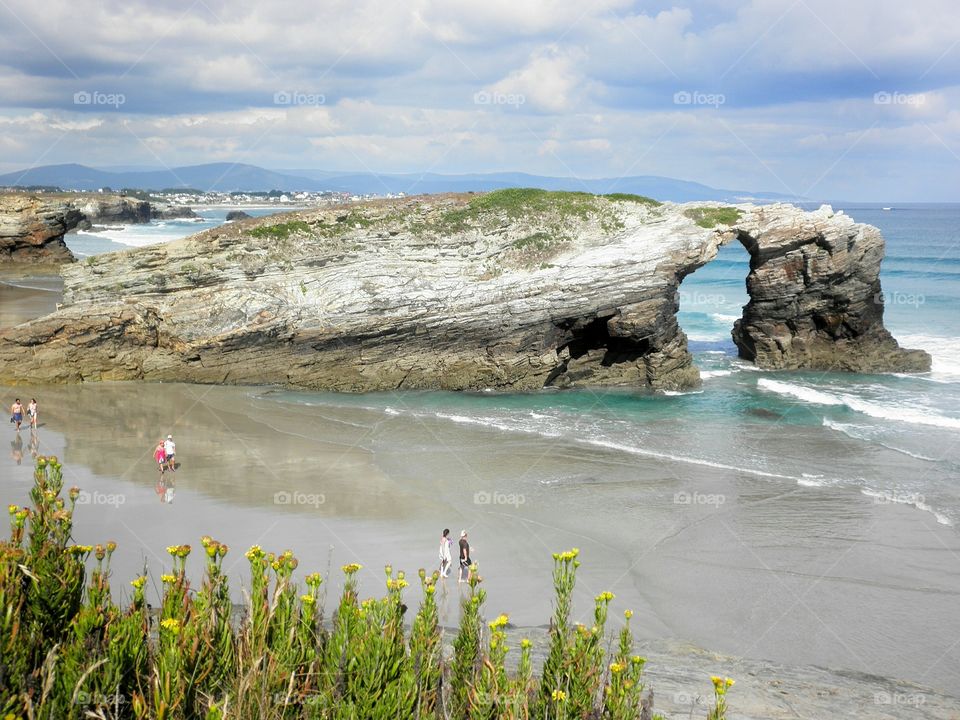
(796, 517)
(890, 437)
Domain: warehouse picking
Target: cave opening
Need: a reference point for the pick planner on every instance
(583, 340)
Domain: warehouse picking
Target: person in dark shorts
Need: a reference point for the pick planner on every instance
(170, 451)
(466, 571)
(16, 413)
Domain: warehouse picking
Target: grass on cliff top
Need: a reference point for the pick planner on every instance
(280, 230)
(710, 217)
(516, 203)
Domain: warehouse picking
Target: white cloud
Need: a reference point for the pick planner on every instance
(552, 80)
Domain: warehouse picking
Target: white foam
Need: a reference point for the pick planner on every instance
(144, 235)
(897, 413)
(867, 434)
(944, 351)
(712, 337)
(723, 318)
(914, 500)
(705, 374)
(633, 450)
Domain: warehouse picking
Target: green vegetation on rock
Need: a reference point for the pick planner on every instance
(69, 651)
(710, 217)
(280, 230)
(630, 197)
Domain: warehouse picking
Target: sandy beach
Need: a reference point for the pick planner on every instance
(750, 566)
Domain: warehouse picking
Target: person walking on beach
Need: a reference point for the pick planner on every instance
(16, 413)
(170, 453)
(445, 557)
(466, 571)
(32, 413)
(160, 455)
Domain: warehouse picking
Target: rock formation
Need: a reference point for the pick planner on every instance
(32, 226)
(236, 215)
(32, 229)
(815, 297)
(516, 290)
(122, 209)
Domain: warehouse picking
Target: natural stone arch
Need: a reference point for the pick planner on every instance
(443, 292)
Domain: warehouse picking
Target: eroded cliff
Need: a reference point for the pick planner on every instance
(511, 290)
(32, 229)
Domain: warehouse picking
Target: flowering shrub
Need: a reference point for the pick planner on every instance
(68, 651)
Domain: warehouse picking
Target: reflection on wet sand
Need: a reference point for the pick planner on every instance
(229, 446)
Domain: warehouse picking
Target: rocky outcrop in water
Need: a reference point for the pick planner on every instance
(122, 209)
(32, 229)
(236, 215)
(515, 290)
(815, 296)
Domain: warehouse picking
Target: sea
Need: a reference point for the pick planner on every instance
(914, 419)
(796, 517)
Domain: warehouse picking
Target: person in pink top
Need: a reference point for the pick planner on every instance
(160, 455)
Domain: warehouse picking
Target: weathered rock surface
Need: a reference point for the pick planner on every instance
(513, 290)
(815, 297)
(236, 215)
(32, 229)
(121, 209)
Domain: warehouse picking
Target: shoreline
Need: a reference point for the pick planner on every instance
(241, 447)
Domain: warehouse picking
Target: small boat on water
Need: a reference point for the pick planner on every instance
(890, 208)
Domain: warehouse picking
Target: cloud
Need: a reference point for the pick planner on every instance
(551, 80)
(542, 86)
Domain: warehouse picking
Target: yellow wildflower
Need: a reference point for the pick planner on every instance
(139, 582)
(559, 696)
(171, 624)
(307, 599)
(351, 568)
(628, 614)
(168, 578)
(499, 622)
(525, 643)
(616, 668)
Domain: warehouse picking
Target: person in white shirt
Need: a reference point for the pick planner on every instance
(170, 450)
(445, 558)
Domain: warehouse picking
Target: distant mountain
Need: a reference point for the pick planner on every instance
(222, 177)
(231, 177)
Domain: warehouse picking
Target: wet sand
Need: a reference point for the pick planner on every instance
(24, 294)
(776, 572)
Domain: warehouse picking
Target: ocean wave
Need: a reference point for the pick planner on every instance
(526, 428)
(867, 434)
(706, 374)
(877, 410)
(944, 351)
(724, 318)
(915, 500)
(25, 286)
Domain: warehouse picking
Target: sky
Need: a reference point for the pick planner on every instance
(826, 99)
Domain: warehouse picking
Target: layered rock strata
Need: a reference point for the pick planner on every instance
(32, 229)
(515, 290)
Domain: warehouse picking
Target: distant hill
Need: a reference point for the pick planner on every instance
(231, 177)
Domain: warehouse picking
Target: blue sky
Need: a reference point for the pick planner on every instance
(830, 99)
